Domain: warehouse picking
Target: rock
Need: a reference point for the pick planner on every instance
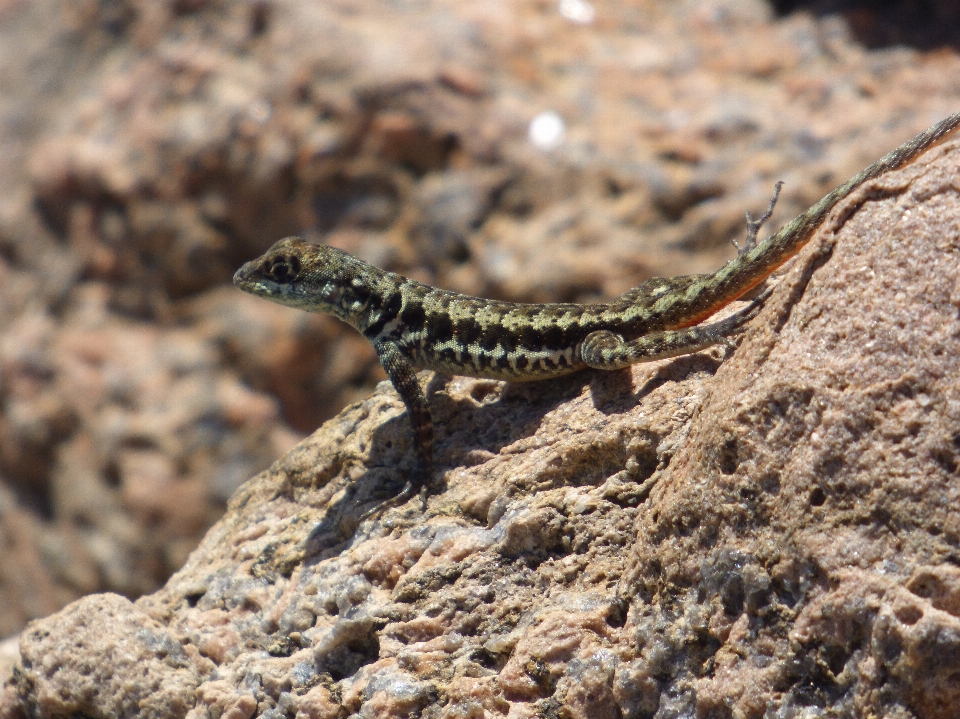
(830, 448)
(770, 536)
(106, 659)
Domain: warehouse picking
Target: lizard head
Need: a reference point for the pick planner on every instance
(317, 278)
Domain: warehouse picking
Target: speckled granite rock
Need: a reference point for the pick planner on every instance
(776, 536)
(824, 487)
(148, 147)
(107, 658)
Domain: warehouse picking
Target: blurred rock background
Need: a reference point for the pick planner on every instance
(531, 150)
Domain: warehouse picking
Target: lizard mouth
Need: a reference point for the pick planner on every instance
(250, 280)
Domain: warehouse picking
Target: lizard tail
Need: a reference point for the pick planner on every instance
(736, 278)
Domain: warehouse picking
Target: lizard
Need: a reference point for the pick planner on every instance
(414, 326)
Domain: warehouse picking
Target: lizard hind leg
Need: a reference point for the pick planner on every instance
(606, 354)
(609, 351)
(754, 225)
(606, 350)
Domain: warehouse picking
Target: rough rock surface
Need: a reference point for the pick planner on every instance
(774, 536)
(147, 147)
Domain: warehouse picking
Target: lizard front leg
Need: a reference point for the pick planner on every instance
(404, 378)
(607, 350)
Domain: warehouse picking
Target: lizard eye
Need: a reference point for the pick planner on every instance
(282, 269)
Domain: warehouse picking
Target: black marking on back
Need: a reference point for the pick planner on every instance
(440, 327)
(467, 331)
(413, 316)
(553, 337)
(489, 337)
(390, 310)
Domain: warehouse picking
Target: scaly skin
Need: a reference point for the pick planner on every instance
(414, 326)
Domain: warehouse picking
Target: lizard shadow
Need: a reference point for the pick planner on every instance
(470, 427)
(614, 392)
(387, 468)
(474, 420)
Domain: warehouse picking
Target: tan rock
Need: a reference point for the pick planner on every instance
(107, 658)
(829, 446)
(771, 536)
(147, 148)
